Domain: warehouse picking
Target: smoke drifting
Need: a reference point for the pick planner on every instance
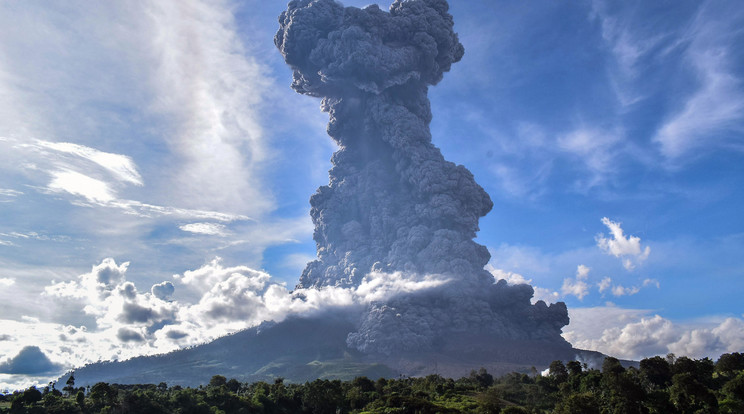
(393, 203)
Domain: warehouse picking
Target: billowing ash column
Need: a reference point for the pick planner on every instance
(393, 202)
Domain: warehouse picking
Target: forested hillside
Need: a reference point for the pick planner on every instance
(658, 385)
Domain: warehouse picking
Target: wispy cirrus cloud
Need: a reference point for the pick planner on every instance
(121, 120)
(121, 166)
(7, 195)
(631, 42)
(690, 59)
(663, 86)
(95, 182)
(75, 183)
(596, 149)
(35, 236)
(218, 139)
(205, 117)
(72, 168)
(211, 229)
(711, 115)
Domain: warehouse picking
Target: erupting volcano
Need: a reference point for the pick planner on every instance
(395, 214)
(393, 203)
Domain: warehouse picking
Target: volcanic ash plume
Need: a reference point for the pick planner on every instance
(394, 204)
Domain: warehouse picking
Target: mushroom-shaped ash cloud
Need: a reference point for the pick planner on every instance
(393, 203)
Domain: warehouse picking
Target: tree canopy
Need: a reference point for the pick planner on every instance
(657, 385)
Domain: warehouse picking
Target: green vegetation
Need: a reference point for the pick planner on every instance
(658, 385)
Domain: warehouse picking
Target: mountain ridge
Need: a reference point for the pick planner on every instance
(302, 349)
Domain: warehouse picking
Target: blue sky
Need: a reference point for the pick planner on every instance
(164, 135)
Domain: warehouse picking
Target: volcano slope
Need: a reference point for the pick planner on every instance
(302, 349)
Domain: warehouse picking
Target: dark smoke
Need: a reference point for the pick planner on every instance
(393, 202)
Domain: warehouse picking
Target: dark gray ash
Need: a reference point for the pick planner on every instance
(393, 203)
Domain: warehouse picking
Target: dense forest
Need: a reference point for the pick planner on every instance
(658, 385)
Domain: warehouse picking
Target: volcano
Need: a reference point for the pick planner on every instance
(393, 206)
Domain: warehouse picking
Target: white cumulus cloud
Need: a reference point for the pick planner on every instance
(651, 282)
(546, 295)
(626, 248)
(195, 307)
(636, 334)
(604, 284)
(578, 286)
(619, 290)
(512, 278)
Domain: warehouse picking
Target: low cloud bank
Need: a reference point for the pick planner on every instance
(214, 300)
(191, 308)
(637, 334)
